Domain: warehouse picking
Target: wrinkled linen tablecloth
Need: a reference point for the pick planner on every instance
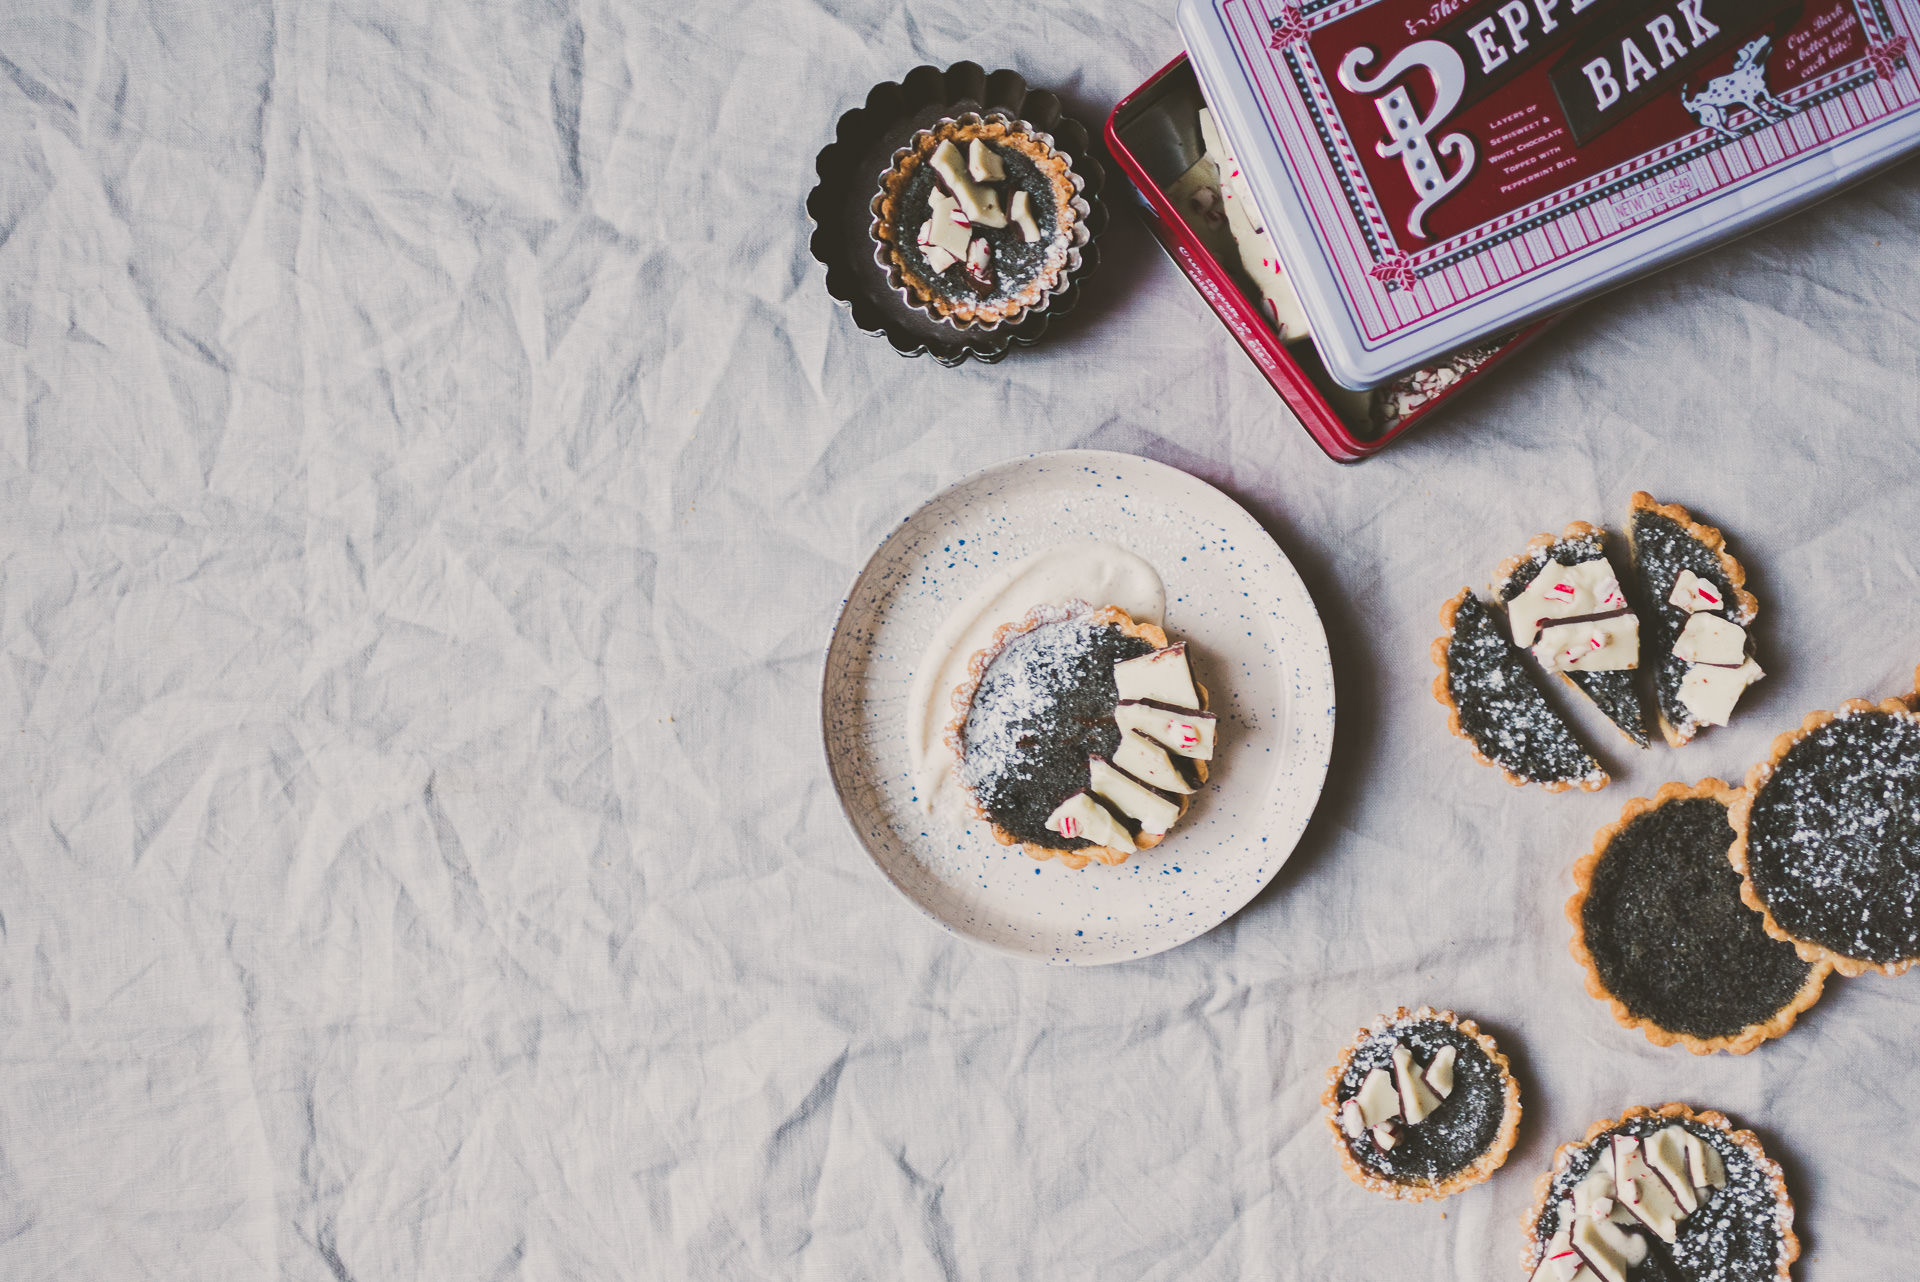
(429, 468)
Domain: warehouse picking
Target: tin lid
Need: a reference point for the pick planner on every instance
(1437, 171)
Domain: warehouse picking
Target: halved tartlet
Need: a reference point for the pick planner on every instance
(1666, 940)
(1081, 735)
(1699, 610)
(1827, 837)
(1663, 1193)
(1493, 703)
(1422, 1104)
(1577, 621)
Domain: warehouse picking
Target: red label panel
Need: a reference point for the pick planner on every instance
(1504, 102)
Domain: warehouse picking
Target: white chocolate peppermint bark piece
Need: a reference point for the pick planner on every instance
(1605, 645)
(1154, 811)
(1605, 1248)
(979, 253)
(949, 230)
(1178, 730)
(1693, 593)
(1588, 590)
(1708, 638)
(1084, 817)
(980, 204)
(1021, 212)
(1709, 692)
(1377, 1098)
(1162, 677)
(1148, 762)
(983, 163)
(1417, 1100)
(937, 258)
(1560, 1262)
(1643, 1192)
(1666, 1153)
(1440, 1072)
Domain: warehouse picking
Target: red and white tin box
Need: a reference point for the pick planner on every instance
(1153, 135)
(1433, 172)
(1438, 170)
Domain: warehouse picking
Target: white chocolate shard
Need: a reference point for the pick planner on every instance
(1162, 676)
(1083, 817)
(1178, 730)
(1692, 593)
(1667, 1155)
(1351, 1121)
(1643, 1192)
(1386, 1135)
(983, 163)
(1559, 1262)
(1152, 811)
(1279, 304)
(1593, 1195)
(1148, 762)
(1709, 693)
(1564, 592)
(1703, 1164)
(978, 254)
(1377, 1099)
(1606, 645)
(1417, 1100)
(937, 258)
(1606, 1249)
(1022, 214)
(980, 204)
(1708, 638)
(948, 229)
(1440, 1072)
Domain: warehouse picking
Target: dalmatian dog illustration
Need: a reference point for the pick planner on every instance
(1744, 86)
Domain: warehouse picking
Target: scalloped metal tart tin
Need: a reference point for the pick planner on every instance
(851, 168)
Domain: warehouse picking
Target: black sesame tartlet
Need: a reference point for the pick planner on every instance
(1580, 612)
(1665, 938)
(1493, 703)
(1421, 1105)
(1661, 1195)
(1827, 838)
(1081, 735)
(979, 220)
(1697, 599)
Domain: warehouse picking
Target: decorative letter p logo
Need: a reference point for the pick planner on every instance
(1407, 132)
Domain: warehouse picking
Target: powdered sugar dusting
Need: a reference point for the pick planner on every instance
(1833, 842)
(1500, 708)
(1735, 1236)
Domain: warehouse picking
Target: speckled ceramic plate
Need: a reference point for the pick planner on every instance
(1257, 644)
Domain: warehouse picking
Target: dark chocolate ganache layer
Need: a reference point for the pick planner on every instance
(1669, 935)
(1833, 838)
(1044, 705)
(1611, 692)
(1501, 710)
(1661, 549)
(1733, 1237)
(1453, 1136)
(1015, 263)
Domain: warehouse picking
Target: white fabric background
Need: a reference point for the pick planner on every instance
(429, 466)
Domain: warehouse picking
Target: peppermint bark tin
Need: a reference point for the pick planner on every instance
(1436, 171)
